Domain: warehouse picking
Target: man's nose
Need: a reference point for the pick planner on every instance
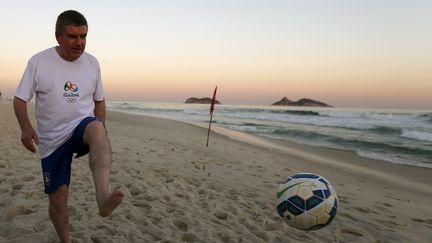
(79, 41)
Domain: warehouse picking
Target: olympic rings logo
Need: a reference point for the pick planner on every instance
(71, 100)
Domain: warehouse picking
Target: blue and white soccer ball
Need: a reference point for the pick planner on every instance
(307, 201)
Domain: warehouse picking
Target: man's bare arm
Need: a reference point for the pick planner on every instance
(100, 110)
(28, 134)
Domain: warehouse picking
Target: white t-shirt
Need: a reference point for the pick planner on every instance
(65, 94)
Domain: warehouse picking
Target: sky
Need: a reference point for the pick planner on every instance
(357, 53)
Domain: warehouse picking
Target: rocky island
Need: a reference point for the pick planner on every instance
(302, 102)
(205, 100)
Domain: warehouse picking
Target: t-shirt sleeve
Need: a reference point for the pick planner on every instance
(99, 93)
(26, 90)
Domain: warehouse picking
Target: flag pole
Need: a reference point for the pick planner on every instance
(208, 132)
(211, 114)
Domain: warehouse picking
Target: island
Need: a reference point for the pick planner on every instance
(302, 102)
(205, 100)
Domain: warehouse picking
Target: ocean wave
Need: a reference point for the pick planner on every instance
(259, 130)
(385, 130)
(276, 111)
(313, 120)
(298, 133)
(147, 110)
(267, 112)
(392, 158)
(426, 116)
(375, 116)
(380, 123)
(347, 120)
(417, 135)
(125, 107)
(352, 144)
(298, 112)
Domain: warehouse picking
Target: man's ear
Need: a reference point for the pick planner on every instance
(57, 36)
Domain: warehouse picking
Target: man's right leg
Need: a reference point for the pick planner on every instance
(95, 136)
(58, 212)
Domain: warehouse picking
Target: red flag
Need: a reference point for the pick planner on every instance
(213, 101)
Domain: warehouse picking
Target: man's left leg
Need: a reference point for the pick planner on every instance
(96, 138)
(58, 212)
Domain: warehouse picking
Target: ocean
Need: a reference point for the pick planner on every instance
(395, 136)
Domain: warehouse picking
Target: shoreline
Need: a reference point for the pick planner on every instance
(177, 189)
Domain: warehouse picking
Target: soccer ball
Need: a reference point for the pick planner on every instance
(307, 201)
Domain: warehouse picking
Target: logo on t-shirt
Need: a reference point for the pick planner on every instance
(71, 95)
(69, 86)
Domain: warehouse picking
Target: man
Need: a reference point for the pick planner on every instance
(70, 114)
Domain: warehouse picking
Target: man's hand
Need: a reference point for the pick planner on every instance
(29, 135)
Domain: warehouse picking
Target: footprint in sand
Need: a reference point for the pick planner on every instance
(270, 226)
(134, 190)
(351, 232)
(363, 210)
(28, 178)
(142, 204)
(390, 223)
(16, 211)
(149, 198)
(349, 216)
(381, 209)
(202, 192)
(343, 199)
(203, 204)
(195, 165)
(221, 215)
(384, 204)
(394, 198)
(428, 222)
(232, 195)
(99, 239)
(180, 224)
(193, 182)
(17, 187)
(189, 237)
(31, 237)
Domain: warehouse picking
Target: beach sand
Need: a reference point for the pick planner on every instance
(177, 189)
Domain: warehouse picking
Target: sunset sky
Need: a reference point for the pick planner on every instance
(359, 53)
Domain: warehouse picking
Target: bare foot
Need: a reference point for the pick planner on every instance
(107, 207)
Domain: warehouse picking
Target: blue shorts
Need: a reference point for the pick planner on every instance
(56, 168)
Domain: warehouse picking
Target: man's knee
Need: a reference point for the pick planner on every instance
(95, 126)
(94, 130)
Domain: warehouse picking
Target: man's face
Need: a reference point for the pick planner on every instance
(72, 41)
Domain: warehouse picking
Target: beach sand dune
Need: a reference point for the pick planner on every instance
(179, 190)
